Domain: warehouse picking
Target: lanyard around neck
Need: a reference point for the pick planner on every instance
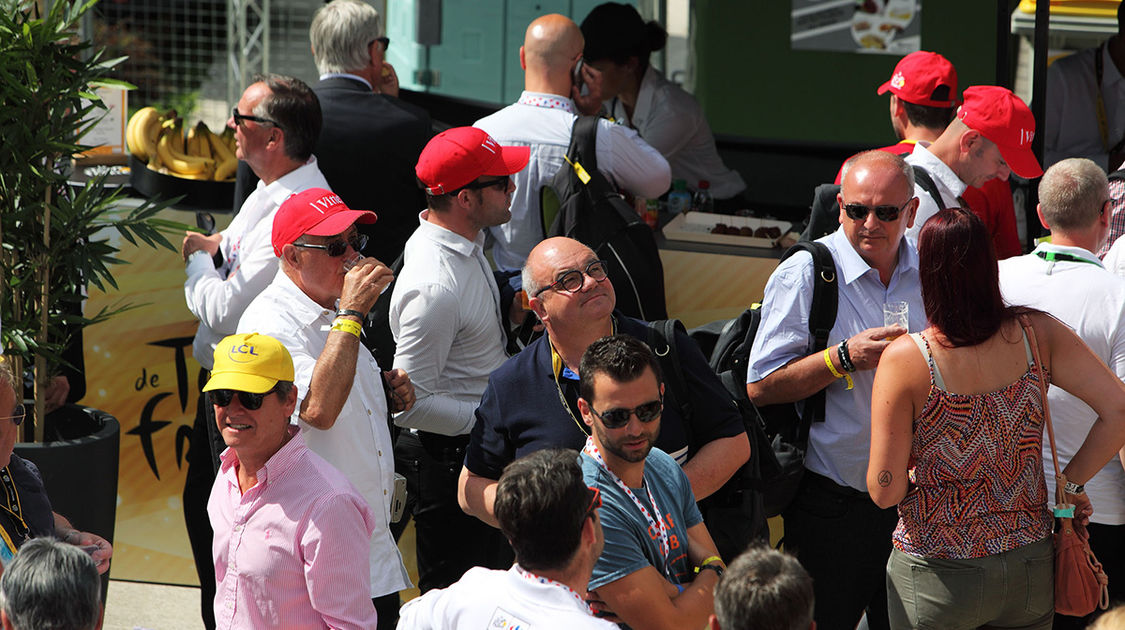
(1063, 257)
(528, 575)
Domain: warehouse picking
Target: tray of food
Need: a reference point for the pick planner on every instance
(725, 229)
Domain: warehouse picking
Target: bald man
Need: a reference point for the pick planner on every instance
(542, 119)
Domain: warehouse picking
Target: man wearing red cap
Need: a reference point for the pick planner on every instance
(315, 306)
(990, 138)
(449, 335)
(924, 98)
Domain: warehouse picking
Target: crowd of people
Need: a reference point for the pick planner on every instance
(355, 326)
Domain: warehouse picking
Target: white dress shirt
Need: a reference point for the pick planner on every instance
(1089, 299)
(1071, 116)
(840, 446)
(445, 317)
(217, 297)
(544, 122)
(671, 120)
(490, 600)
(359, 443)
(948, 184)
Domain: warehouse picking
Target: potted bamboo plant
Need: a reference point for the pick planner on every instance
(55, 235)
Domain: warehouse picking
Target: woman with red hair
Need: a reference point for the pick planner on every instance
(957, 441)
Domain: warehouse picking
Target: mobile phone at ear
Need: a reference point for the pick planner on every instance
(583, 89)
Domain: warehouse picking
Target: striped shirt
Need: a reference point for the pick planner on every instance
(292, 551)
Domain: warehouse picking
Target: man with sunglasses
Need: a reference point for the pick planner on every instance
(531, 401)
(839, 535)
(315, 307)
(290, 531)
(990, 138)
(276, 123)
(542, 118)
(371, 138)
(659, 565)
(551, 518)
(449, 335)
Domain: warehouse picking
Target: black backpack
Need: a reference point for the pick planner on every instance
(581, 204)
(824, 214)
(778, 433)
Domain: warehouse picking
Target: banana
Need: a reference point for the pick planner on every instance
(177, 161)
(226, 170)
(228, 138)
(176, 125)
(144, 126)
(200, 135)
(227, 163)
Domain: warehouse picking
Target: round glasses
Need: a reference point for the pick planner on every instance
(573, 280)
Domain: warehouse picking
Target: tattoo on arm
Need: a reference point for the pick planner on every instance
(885, 478)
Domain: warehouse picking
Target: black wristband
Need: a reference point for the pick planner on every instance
(845, 356)
(347, 312)
(713, 566)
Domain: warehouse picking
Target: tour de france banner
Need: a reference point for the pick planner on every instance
(890, 27)
(139, 368)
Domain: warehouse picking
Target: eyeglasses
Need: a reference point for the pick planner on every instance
(249, 400)
(595, 501)
(573, 280)
(501, 183)
(385, 42)
(617, 418)
(336, 248)
(18, 414)
(858, 211)
(238, 118)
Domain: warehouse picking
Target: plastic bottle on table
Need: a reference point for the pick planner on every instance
(679, 200)
(703, 202)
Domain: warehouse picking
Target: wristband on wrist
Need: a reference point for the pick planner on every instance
(347, 312)
(845, 356)
(832, 368)
(348, 326)
(715, 566)
(1072, 488)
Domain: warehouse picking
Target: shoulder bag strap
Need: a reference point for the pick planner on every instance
(1060, 479)
(927, 182)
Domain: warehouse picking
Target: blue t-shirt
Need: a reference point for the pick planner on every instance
(629, 547)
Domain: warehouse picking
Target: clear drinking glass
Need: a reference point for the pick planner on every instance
(896, 313)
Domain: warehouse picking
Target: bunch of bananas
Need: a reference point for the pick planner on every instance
(159, 140)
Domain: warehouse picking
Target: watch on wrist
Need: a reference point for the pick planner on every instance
(714, 566)
(1073, 488)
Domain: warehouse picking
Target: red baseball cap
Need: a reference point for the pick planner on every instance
(1003, 118)
(457, 156)
(919, 77)
(315, 211)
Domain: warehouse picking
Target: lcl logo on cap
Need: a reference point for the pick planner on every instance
(326, 201)
(242, 354)
(490, 145)
(897, 81)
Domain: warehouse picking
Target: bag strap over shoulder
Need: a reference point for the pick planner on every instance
(923, 178)
(662, 340)
(822, 317)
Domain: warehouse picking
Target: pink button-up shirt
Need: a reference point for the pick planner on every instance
(292, 551)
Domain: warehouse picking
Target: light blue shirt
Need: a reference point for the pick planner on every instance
(838, 447)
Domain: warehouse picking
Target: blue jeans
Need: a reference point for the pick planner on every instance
(1014, 589)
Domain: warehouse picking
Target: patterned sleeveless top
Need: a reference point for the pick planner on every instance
(976, 470)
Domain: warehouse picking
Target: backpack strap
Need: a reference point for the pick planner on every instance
(923, 178)
(662, 341)
(822, 317)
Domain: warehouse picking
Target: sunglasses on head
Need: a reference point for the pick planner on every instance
(501, 183)
(249, 400)
(336, 248)
(858, 211)
(617, 418)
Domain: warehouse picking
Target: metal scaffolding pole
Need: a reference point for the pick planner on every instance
(248, 43)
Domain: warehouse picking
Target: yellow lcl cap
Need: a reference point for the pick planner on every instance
(250, 363)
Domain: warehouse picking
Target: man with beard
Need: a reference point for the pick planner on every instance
(659, 566)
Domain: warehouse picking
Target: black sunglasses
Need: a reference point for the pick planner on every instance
(858, 211)
(336, 248)
(385, 42)
(573, 280)
(617, 418)
(501, 183)
(249, 400)
(238, 118)
(18, 414)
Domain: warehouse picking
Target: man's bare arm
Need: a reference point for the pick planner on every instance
(715, 463)
(476, 496)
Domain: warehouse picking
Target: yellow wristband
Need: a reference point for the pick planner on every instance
(348, 326)
(711, 559)
(835, 372)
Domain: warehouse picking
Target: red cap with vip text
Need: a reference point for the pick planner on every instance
(1005, 119)
(923, 78)
(457, 156)
(315, 211)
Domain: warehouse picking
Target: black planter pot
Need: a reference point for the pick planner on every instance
(79, 468)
